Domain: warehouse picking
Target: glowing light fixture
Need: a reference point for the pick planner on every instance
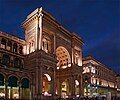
(16, 95)
(64, 67)
(47, 94)
(48, 77)
(76, 82)
(69, 65)
(2, 94)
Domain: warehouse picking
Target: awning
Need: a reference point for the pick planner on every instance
(25, 83)
(1, 80)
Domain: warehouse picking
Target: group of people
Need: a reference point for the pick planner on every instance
(92, 98)
(98, 98)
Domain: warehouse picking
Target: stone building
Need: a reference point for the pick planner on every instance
(118, 85)
(46, 65)
(97, 78)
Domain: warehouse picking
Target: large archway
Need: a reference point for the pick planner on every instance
(47, 85)
(63, 57)
(13, 88)
(2, 86)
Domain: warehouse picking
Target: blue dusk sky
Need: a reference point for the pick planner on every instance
(96, 21)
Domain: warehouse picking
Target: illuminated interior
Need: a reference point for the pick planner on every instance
(77, 59)
(13, 89)
(2, 86)
(31, 45)
(63, 58)
(46, 44)
(25, 88)
(86, 69)
(76, 87)
(65, 89)
(46, 85)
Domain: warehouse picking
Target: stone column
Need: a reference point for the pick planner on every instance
(19, 84)
(72, 58)
(11, 47)
(31, 87)
(54, 44)
(39, 82)
(54, 84)
(6, 85)
(72, 86)
(39, 30)
(6, 44)
(81, 85)
(59, 90)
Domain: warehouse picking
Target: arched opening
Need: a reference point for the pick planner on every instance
(25, 87)
(77, 58)
(63, 58)
(9, 45)
(20, 49)
(46, 44)
(65, 89)
(2, 86)
(3, 43)
(6, 60)
(31, 45)
(17, 63)
(76, 87)
(15, 47)
(46, 85)
(13, 87)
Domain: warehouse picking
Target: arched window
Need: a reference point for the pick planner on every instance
(9, 45)
(76, 58)
(46, 85)
(20, 49)
(5, 60)
(46, 44)
(17, 63)
(31, 45)
(15, 47)
(3, 43)
(1, 80)
(2, 86)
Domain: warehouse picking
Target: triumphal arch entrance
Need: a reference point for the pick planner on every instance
(53, 55)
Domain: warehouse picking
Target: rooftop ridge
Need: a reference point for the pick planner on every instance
(42, 11)
(12, 36)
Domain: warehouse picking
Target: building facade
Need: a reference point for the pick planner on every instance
(98, 79)
(48, 63)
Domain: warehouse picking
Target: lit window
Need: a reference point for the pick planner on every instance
(92, 69)
(86, 70)
(3, 43)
